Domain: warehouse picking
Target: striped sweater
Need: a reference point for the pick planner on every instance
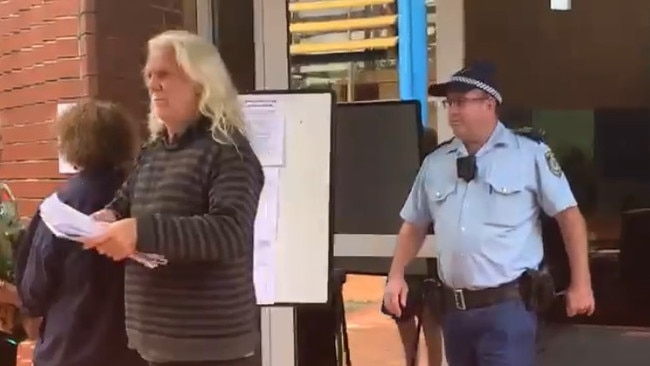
(195, 202)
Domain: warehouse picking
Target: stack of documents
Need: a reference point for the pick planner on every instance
(68, 223)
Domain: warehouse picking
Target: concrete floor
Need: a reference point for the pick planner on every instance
(594, 346)
(374, 340)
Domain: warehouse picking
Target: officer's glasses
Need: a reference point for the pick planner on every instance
(461, 102)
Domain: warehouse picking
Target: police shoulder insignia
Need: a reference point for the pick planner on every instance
(534, 134)
(552, 163)
(447, 142)
(441, 145)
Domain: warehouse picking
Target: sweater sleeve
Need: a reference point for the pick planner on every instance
(225, 231)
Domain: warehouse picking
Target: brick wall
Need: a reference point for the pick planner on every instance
(122, 30)
(41, 61)
(67, 50)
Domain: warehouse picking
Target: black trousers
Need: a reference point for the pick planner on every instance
(255, 360)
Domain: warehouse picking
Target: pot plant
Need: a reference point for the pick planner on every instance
(10, 230)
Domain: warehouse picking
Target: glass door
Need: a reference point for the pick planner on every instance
(583, 77)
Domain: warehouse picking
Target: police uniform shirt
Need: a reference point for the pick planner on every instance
(487, 230)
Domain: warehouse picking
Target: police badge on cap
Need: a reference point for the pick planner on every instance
(480, 75)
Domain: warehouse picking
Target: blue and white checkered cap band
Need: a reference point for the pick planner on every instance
(479, 85)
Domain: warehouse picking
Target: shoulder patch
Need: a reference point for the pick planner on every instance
(552, 163)
(531, 133)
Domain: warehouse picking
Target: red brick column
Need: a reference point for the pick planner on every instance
(62, 51)
(55, 51)
(42, 61)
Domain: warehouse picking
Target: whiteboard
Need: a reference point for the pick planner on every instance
(301, 251)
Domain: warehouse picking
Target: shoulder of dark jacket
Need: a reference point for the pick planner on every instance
(530, 133)
(89, 194)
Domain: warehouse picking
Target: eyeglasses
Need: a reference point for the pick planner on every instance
(461, 102)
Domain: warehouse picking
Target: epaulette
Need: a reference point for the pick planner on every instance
(442, 144)
(534, 134)
(424, 152)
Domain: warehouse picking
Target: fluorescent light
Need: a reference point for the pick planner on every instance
(560, 4)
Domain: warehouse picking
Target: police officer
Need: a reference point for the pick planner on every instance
(483, 191)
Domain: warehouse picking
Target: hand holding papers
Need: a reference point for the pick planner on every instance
(68, 223)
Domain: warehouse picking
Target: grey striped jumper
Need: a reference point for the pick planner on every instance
(195, 202)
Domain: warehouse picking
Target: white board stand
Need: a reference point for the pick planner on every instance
(301, 252)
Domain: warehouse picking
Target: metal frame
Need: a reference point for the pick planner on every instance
(450, 51)
(412, 64)
(204, 19)
(272, 72)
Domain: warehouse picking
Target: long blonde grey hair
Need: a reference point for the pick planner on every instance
(202, 63)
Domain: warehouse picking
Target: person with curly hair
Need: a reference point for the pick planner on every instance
(80, 293)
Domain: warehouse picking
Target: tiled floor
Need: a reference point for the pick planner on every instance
(374, 340)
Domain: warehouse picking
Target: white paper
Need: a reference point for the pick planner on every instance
(266, 221)
(64, 166)
(265, 127)
(266, 226)
(264, 273)
(66, 222)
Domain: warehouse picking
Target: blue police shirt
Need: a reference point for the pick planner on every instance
(488, 230)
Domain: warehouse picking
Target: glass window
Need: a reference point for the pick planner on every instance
(431, 34)
(329, 48)
(233, 23)
(431, 52)
(581, 77)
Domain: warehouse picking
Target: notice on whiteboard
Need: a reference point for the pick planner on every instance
(64, 166)
(266, 228)
(265, 128)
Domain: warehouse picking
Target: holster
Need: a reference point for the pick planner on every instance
(433, 290)
(537, 289)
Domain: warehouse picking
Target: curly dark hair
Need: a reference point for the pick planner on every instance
(98, 135)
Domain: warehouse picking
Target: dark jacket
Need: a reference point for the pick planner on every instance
(79, 293)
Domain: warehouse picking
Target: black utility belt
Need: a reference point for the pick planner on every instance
(462, 299)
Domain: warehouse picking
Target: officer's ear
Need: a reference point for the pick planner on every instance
(492, 104)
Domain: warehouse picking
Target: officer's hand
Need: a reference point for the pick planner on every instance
(395, 295)
(580, 301)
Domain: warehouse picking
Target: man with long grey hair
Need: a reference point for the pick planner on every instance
(192, 198)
